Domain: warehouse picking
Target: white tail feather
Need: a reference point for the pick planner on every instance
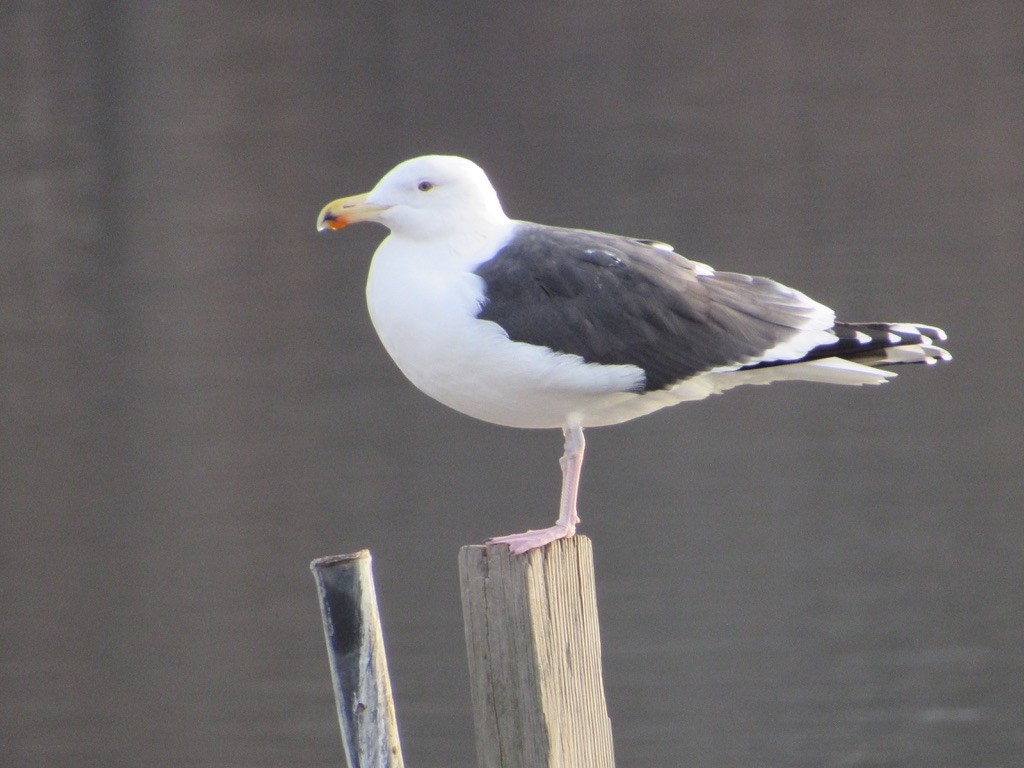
(831, 370)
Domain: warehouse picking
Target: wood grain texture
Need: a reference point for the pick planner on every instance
(534, 651)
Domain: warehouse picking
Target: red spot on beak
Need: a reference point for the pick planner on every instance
(335, 221)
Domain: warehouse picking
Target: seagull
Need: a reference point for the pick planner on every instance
(534, 326)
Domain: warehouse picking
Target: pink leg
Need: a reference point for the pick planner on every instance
(572, 463)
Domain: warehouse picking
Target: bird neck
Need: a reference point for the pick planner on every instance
(459, 250)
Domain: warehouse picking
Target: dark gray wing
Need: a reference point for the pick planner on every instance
(618, 301)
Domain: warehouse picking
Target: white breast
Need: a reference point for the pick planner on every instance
(423, 301)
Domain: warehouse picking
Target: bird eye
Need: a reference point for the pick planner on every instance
(425, 186)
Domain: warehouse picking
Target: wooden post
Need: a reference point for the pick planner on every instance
(535, 657)
(359, 669)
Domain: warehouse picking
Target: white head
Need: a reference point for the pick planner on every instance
(426, 197)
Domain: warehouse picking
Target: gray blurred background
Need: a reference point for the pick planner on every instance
(193, 403)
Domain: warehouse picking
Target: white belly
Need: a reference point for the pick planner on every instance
(425, 314)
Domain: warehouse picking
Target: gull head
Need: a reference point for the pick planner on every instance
(434, 196)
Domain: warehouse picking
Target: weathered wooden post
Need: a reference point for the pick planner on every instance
(359, 669)
(535, 657)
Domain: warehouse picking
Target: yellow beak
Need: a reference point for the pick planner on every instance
(347, 210)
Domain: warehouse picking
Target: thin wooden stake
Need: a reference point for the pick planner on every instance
(535, 657)
(359, 668)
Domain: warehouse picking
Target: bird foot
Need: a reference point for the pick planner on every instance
(520, 543)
